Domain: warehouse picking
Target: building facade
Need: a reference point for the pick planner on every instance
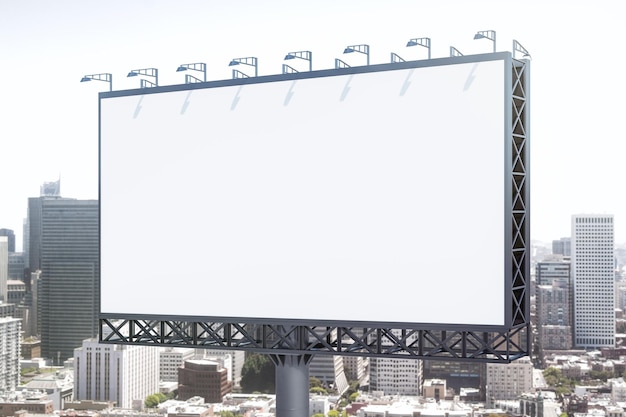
(117, 373)
(593, 272)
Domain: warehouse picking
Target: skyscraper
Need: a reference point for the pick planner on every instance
(4, 267)
(593, 272)
(63, 244)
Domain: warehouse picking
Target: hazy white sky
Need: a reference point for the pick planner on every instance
(48, 119)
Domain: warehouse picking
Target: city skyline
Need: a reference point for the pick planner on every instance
(49, 120)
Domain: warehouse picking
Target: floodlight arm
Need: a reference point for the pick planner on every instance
(362, 48)
(239, 74)
(455, 52)
(340, 64)
(517, 47)
(305, 55)
(425, 42)
(146, 84)
(190, 79)
(396, 58)
(250, 60)
(288, 69)
(105, 76)
(148, 72)
(487, 34)
(196, 66)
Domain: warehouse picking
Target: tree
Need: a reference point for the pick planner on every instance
(153, 400)
(318, 390)
(258, 374)
(561, 384)
(333, 413)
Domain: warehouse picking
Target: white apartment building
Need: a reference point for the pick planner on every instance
(507, 381)
(10, 329)
(593, 273)
(117, 373)
(170, 359)
(395, 376)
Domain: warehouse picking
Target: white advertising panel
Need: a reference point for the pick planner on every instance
(366, 197)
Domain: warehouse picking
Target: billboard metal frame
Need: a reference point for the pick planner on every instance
(401, 340)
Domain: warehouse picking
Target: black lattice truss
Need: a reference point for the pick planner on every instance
(287, 338)
(520, 221)
(283, 339)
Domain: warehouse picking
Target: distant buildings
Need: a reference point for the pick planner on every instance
(117, 373)
(593, 272)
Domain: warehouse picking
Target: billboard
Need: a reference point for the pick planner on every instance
(376, 194)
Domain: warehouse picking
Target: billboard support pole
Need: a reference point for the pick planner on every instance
(292, 385)
(292, 374)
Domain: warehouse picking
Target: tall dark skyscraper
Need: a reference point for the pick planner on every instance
(63, 244)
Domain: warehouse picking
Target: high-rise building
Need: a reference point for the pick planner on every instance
(554, 302)
(4, 267)
(63, 244)
(593, 272)
(118, 373)
(10, 358)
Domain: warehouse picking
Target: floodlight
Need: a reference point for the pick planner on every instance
(487, 34)
(147, 72)
(362, 48)
(106, 77)
(250, 60)
(196, 66)
(305, 55)
(425, 42)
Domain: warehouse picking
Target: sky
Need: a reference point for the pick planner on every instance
(49, 120)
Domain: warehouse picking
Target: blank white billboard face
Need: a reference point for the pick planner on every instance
(375, 197)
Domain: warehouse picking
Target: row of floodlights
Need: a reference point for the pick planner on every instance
(304, 55)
